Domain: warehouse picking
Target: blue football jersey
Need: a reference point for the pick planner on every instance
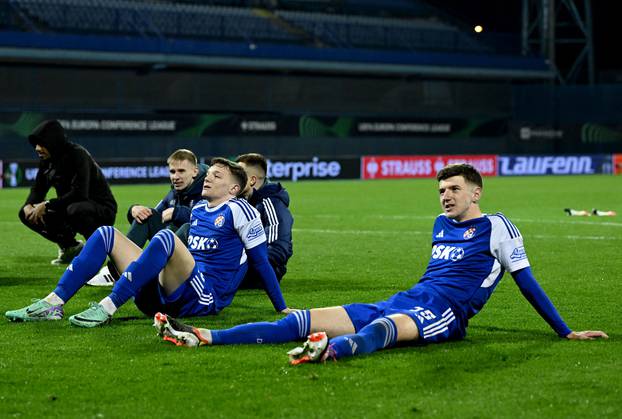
(217, 239)
(469, 258)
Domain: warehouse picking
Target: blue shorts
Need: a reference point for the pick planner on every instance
(434, 317)
(195, 297)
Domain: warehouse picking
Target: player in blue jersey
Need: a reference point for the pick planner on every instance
(194, 280)
(470, 253)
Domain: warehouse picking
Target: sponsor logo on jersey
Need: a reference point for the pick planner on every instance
(255, 232)
(219, 221)
(202, 243)
(469, 233)
(195, 222)
(518, 254)
(453, 253)
(440, 235)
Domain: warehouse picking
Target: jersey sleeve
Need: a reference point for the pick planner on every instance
(506, 244)
(247, 223)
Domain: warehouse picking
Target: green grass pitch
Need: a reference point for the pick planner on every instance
(354, 242)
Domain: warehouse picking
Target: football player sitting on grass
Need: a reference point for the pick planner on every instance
(470, 253)
(196, 280)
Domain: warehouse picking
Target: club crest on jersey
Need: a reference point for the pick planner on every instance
(453, 253)
(469, 233)
(219, 221)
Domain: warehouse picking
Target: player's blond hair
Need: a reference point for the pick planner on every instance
(181, 155)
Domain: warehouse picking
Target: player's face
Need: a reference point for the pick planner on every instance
(181, 172)
(459, 199)
(42, 152)
(254, 177)
(219, 184)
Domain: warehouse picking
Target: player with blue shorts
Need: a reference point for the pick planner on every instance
(193, 279)
(470, 253)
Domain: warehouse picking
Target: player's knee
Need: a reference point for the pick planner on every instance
(167, 238)
(165, 234)
(107, 235)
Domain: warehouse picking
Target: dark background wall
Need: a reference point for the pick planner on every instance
(492, 114)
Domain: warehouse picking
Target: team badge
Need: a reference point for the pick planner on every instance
(219, 221)
(469, 233)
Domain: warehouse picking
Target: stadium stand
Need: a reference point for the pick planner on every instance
(418, 42)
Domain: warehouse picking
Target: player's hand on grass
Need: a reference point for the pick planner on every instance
(140, 213)
(587, 335)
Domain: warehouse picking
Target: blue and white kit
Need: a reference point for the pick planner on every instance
(467, 261)
(218, 240)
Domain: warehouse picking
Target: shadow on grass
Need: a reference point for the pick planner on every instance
(12, 281)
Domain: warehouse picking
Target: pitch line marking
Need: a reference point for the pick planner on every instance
(426, 233)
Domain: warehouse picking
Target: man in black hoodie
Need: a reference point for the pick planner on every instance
(83, 200)
(272, 202)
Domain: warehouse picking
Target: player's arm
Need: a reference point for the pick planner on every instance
(165, 209)
(507, 246)
(138, 213)
(180, 214)
(258, 258)
(247, 222)
(530, 288)
(278, 226)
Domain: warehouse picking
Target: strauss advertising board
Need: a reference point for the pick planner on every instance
(401, 167)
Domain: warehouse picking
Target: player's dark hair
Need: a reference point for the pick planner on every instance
(183, 154)
(253, 159)
(237, 171)
(468, 172)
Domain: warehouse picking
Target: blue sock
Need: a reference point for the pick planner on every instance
(87, 263)
(379, 334)
(294, 326)
(145, 269)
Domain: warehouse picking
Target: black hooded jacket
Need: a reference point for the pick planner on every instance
(272, 202)
(70, 170)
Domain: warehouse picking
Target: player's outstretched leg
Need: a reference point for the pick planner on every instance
(294, 326)
(315, 349)
(180, 334)
(97, 248)
(379, 334)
